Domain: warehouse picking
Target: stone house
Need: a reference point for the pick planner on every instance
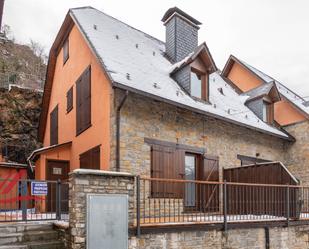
(119, 99)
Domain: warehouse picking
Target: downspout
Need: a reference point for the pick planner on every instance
(118, 130)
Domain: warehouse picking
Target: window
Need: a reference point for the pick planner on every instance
(90, 159)
(268, 112)
(83, 101)
(70, 100)
(66, 51)
(199, 85)
(54, 126)
(196, 85)
(190, 174)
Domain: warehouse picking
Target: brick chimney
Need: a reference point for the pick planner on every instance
(1, 13)
(181, 37)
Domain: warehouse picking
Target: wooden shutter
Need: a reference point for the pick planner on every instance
(210, 193)
(83, 102)
(90, 159)
(70, 99)
(166, 163)
(54, 126)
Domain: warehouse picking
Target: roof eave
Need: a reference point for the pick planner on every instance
(155, 97)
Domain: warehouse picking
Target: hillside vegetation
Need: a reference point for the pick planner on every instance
(22, 73)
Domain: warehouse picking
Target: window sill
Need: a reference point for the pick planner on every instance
(65, 61)
(201, 100)
(69, 110)
(81, 131)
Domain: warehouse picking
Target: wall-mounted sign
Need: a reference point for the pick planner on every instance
(57, 171)
(39, 188)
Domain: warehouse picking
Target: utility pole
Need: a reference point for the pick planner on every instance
(1, 13)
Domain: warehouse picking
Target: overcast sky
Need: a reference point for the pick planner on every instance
(271, 35)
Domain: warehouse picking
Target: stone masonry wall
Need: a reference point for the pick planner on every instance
(83, 182)
(280, 238)
(145, 118)
(297, 154)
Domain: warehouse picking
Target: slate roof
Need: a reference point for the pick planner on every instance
(260, 91)
(284, 91)
(135, 61)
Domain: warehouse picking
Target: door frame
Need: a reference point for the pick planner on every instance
(49, 197)
(198, 165)
(54, 160)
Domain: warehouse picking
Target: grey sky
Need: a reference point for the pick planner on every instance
(271, 35)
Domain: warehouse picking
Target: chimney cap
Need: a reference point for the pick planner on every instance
(174, 10)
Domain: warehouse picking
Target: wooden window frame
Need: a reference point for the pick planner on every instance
(204, 82)
(54, 131)
(269, 112)
(66, 50)
(78, 110)
(70, 98)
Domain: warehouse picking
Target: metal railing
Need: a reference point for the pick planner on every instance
(163, 201)
(20, 201)
(21, 79)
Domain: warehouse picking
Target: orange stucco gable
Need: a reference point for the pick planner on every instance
(245, 80)
(286, 113)
(65, 77)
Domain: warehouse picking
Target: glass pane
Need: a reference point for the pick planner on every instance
(190, 162)
(264, 112)
(196, 85)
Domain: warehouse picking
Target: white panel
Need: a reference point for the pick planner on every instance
(107, 222)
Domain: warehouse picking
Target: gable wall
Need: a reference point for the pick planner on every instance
(65, 76)
(285, 113)
(242, 78)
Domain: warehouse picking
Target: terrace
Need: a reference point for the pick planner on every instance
(176, 203)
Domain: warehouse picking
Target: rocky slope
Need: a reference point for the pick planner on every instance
(19, 116)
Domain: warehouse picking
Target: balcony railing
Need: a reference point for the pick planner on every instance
(168, 201)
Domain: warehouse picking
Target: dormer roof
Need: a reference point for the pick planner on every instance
(270, 90)
(296, 100)
(201, 51)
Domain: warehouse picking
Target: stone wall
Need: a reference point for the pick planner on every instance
(142, 118)
(84, 182)
(280, 238)
(297, 154)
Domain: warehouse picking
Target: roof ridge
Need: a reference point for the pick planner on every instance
(150, 36)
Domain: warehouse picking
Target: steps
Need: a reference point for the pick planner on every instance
(34, 235)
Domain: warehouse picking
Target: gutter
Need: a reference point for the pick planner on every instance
(289, 137)
(123, 100)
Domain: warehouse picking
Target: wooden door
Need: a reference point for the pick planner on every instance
(57, 170)
(209, 193)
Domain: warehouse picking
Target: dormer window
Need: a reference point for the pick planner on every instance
(196, 85)
(199, 86)
(268, 112)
